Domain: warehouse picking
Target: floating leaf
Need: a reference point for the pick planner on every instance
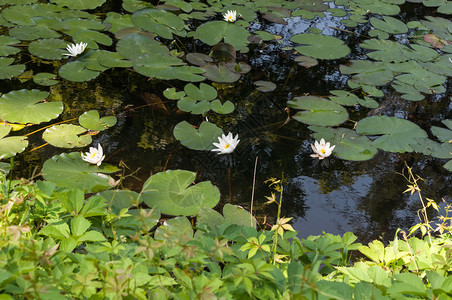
(389, 24)
(134, 45)
(173, 193)
(67, 136)
(349, 145)
(443, 134)
(77, 71)
(26, 106)
(190, 105)
(222, 108)
(159, 21)
(7, 71)
(175, 229)
(113, 60)
(92, 121)
(318, 111)
(306, 61)
(79, 4)
(10, 146)
(46, 79)
(368, 72)
(51, 49)
(29, 33)
(171, 93)
(320, 46)
(220, 73)
(69, 170)
(265, 86)
(396, 134)
(209, 217)
(213, 32)
(5, 48)
(197, 139)
(198, 59)
(344, 97)
(204, 92)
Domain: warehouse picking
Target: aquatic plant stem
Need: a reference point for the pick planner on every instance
(229, 183)
(252, 192)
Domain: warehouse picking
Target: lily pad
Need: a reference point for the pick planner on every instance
(173, 193)
(67, 136)
(349, 144)
(237, 215)
(26, 106)
(213, 32)
(171, 93)
(29, 33)
(204, 92)
(344, 97)
(46, 79)
(318, 111)
(320, 46)
(198, 59)
(175, 229)
(265, 86)
(197, 139)
(159, 21)
(51, 49)
(10, 146)
(79, 4)
(121, 199)
(396, 134)
(389, 25)
(443, 134)
(92, 121)
(222, 108)
(77, 71)
(5, 48)
(135, 45)
(113, 60)
(220, 73)
(69, 170)
(7, 71)
(368, 72)
(190, 105)
(306, 61)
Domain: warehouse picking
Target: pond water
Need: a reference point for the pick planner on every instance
(334, 196)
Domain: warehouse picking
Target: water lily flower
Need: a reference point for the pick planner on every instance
(322, 149)
(226, 144)
(94, 156)
(230, 16)
(75, 49)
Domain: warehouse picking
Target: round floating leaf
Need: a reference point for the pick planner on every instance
(204, 92)
(349, 145)
(92, 121)
(46, 79)
(77, 71)
(190, 105)
(237, 215)
(29, 33)
(113, 60)
(7, 71)
(396, 134)
(198, 59)
(306, 61)
(320, 46)
(213, 32)
(197, 139)
(67, 136)
(92, 38)
(173, 193)
(159, 21)
(389, 24)
(225, 108)
(134, 45)
(175, 229)
(368, 72)
(448, 165)
(368, 102)
(79, 4)
(220, 73)
(209, 217)
(318, 111)
(171, 93)
(69, 170)
(344, 97)
(443, 134)
(10, 146)
(26, 106)
(118, 21)
(121, 199)
(265, 86)
(5, 49)
(51, 49)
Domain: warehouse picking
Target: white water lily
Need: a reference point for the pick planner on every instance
(230, 16)
(226, 144)
(75, 49)
(94, 156)
(322, 149)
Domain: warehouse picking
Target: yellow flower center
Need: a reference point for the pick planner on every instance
(94, 154)
(227, 146)
(322, 151)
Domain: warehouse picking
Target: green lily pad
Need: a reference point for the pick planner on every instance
(51, 49)
(159, 22)
(118, 21)
(67, 136)
(265, 86)
(175, 230)
(213, 32)
(387, 51)
(222, 108)
(26, 106)
(171, 93)
(134, 45)
(121, 199)
(173, 193)
(349, 144)
(7, 71)
(29, 33)
(396, 134)
(10, 146)
(190, 105)
(318, 111)
(448, 165)
(389, 24)
(197, 139)
(220, 73)
(92, 121)
(79, 4)
(77, 71)
(443, 134)
(368, 102)
(234, 214)
(209, 217)
(198, 59)
(91, 60)
(46, 79)
(69, 170)
(5, 48)
(306, 61)
(204, 92)
(368, 72)
(344, 98)
(185, 73)
(113, 60)
(92, 38)
(320, 46)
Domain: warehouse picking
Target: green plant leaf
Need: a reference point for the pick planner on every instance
(197, 139)
(5, 48)
(7, 71)
(171, 193)
(92, 121)
(220, 73)
(396, 134)
(176, 229)
(27, 106)
(67, 136)
(77, 71)
(320, 46)
(46, 79)
(10, 146)
(222, 108)
(213, 32)
(389, 24)
(79, 4)
(318, 111)
(205, 92)
(234, 214)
